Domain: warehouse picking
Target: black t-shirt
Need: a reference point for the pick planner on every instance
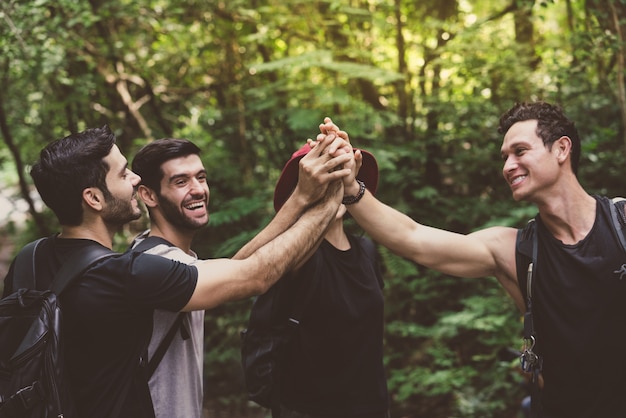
(335, 365)
(107, 317)
(579, 305)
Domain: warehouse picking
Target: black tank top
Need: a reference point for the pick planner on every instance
(579, 305)
(334, 367)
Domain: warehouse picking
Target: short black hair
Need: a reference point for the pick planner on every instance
(147, 163)
(69, 165)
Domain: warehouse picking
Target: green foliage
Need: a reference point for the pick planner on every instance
(419, 84)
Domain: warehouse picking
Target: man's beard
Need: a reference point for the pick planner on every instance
(120, 212)
(173, 214)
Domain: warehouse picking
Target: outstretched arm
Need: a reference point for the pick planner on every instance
(488, 252)
(451, 253)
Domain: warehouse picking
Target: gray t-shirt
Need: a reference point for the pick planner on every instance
(176, 385)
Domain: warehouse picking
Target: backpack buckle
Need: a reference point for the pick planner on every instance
(29, 396)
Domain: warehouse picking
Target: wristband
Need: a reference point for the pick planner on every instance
(351, 200)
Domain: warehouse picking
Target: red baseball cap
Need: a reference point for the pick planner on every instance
(368, 174)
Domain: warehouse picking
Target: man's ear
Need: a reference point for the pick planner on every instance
(93, 198)
(563, 148)
(148, 196)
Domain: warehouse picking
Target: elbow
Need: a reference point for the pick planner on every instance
(266, 281)
(259, 286)
(262, 276)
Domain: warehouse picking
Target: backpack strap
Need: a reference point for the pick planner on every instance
(24, 268)
(371, 253)
(619, 219)
(303, 297)
(144, 245)
(164, 344)
(25, 271)
(526, 266)
(300, 297)
(77, 264)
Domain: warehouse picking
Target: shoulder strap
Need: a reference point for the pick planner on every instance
(144, 245)
(526, 265)
(526, 255)
(619, 219)
(24, 274)
(529, 236)
(371, 253)
(303, 296)
(77, 264)
(147, 243)
(24, 268)
(164, 345)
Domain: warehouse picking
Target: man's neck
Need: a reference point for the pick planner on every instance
(100, 235)
(176, 237)
(336, 235)
(569, 215)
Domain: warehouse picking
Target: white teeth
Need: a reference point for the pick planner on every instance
(517, 180)
(194, 206)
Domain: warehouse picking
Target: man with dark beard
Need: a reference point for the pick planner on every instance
(175, 191)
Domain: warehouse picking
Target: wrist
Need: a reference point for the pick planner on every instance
(352, 189)
(351, 197)
(298, 200)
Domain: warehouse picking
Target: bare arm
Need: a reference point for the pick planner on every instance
(489, 252)
(284, 219)
(225, 280)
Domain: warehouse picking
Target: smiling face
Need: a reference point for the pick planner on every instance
(121, 206)
(529, 167)
(184, 194)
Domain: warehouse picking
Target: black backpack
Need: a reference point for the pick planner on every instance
(33, 381)
(526, 266)
(265, 337)
(268, 333)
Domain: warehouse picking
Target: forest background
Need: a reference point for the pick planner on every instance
(420, 84)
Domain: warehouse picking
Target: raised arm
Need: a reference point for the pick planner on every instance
(223, 280)
(316, 170)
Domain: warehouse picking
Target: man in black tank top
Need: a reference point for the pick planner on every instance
(579, 288)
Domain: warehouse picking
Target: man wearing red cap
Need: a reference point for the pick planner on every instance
(333, 365)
